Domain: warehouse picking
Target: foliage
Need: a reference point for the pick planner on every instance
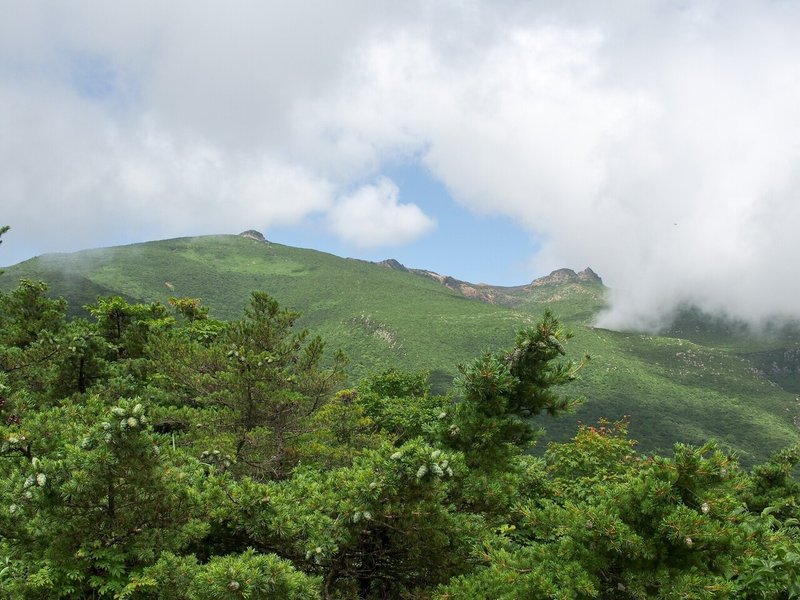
(258, 382)
(400, 404)
(246, 575)
(629, 526)
(92, 498)
(125, 326)
(774, 487)
(503, 391)
(145, 454)
(378, 528)
(3, 229)
(684, 386)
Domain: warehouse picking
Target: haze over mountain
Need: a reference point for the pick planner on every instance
(493, 141)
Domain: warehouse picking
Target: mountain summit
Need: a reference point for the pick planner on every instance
(561, 276)
(494, 294)
(254, 235)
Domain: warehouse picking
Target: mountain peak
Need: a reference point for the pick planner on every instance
(391, 263)
(589, 276)
(254, 235)
(560, 276)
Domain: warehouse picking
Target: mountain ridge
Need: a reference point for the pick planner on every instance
(491, 293)
(674, 389)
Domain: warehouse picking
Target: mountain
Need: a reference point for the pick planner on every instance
(688, 385)
(578, 295)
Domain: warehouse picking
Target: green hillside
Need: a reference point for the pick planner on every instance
(673, 388)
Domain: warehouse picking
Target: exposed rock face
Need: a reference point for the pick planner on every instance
(556, 277)
(561, 276)
(470, 290)
(508, 296)
(589, 276)
(391, 263)
(254, 235)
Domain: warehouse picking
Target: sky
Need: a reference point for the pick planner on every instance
(492, 140)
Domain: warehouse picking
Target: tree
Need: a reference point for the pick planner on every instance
(502, 391)
(127, 327)
(3, 230)
(258, 382)
(379, 528)
(28, 315)
(189, 308)
(31, 324)
(245, 575)
(613, 524)
(401, 405)
(92, 501)
(82, 361)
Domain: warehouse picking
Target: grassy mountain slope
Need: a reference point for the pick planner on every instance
(673, 389)
(773, 350)
(377, 315)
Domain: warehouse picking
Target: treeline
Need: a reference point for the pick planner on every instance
(154, 452)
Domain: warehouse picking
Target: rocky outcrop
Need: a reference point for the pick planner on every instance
(507, 296)
(394, 265)
(589, 276)
(562, 276)
(481, 292)
(254, 235)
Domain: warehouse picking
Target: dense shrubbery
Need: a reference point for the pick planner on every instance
(157, 453)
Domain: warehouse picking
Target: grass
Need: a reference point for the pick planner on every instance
(704, 380)
(673, 389)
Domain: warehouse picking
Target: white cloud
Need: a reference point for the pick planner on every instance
(140, 120)
(205, 186)
(672, 173)
(655, 142)
(72, 177)
(371, 216)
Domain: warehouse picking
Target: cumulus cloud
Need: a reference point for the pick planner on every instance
(672, 173)
(72, 178)
(140, 120)
(372, 216)
(652, 141)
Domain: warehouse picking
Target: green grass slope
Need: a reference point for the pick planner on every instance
(378, 316)
(672, 388)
